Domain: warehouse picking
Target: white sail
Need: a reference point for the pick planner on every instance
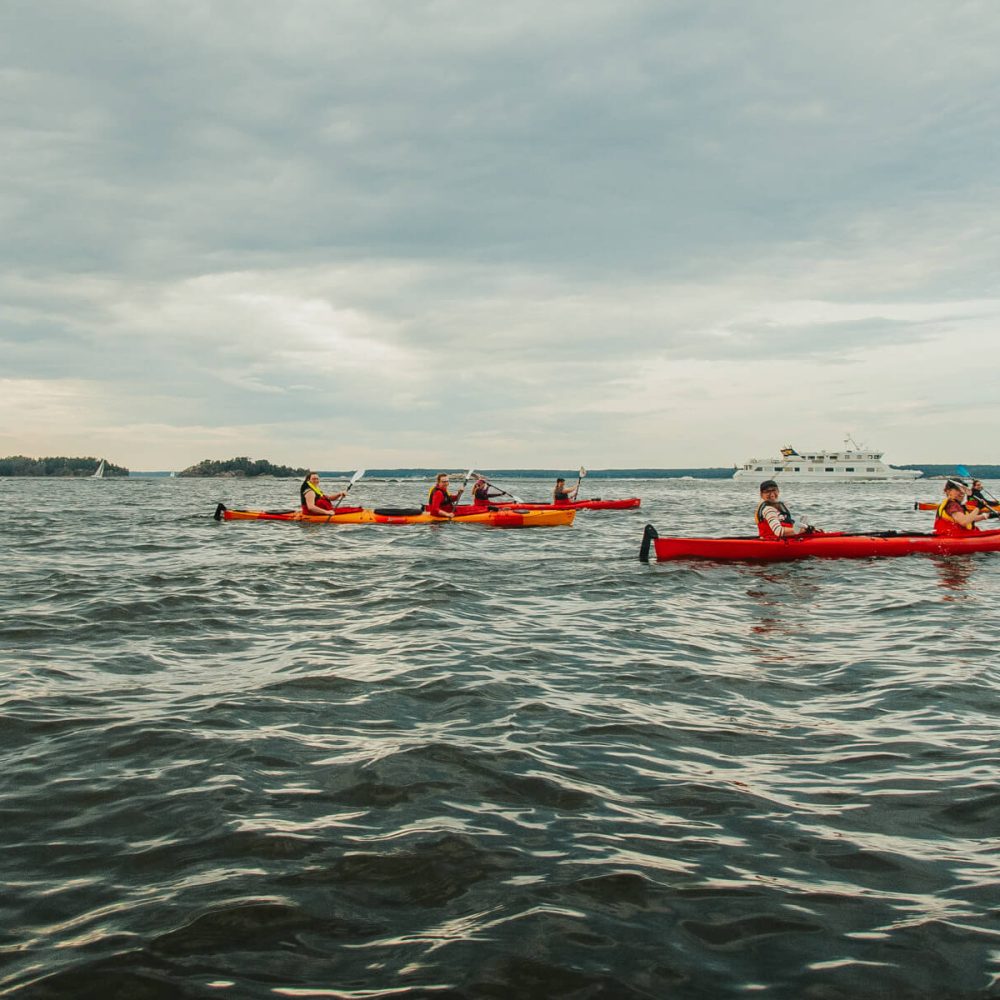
(100, 471)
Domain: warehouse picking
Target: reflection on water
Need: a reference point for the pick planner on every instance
(955, 574)
(253, 760)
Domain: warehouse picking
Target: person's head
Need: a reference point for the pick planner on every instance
(442, 479)
(312, 477)
(769, 488)
(955, 487)
(977, 484)
(560, 482)
(479, 483)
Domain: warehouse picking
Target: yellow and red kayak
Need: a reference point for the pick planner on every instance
(391, 515)
(932, 505)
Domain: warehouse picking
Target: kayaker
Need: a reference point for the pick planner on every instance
(952, 517)
(440, 502)
(562, 495)
(481, 494)
(774, 520)
(977, 498)
(314, 500)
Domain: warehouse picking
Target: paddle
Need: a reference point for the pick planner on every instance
(965, 474)
(576, 491)
(465, 482)
(357, 475)
(503, 491)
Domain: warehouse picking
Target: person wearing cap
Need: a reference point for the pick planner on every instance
(481, 495)
(562, 495)
(774, 520)
(952, 517)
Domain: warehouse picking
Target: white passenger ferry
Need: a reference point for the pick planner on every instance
(853, 461)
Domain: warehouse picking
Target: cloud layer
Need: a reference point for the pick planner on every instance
(641, 234)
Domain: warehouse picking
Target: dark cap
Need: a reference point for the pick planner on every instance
(955, 484)
(768, 484)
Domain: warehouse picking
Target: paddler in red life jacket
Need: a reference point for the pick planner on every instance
(774, 520)
(481, 494)
(440, 502)
(562, 495)
(314, 501)
(952, 517)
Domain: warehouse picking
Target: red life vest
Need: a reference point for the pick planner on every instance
(763, 527)
(440, 499)
(945, 523)
(320, 501)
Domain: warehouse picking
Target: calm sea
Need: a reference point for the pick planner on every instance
(257, 760)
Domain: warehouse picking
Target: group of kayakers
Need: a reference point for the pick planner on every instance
(440, 501)
(962, 508)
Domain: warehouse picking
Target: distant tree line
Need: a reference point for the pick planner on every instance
(21, 465)
(241, 467)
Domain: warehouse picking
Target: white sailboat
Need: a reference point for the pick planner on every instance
(100, 471)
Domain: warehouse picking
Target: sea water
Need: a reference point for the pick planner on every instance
(254, 759)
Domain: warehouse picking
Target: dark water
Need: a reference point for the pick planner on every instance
(272, 760)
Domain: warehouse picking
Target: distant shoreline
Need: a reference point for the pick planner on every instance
(929, 470)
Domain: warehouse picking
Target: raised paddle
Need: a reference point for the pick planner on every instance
(357, 475)
(576, 490)
(965, 474)
(465, 482)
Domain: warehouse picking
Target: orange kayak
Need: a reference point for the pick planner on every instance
(390, 515)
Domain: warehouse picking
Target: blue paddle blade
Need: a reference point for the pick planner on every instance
(963, 471)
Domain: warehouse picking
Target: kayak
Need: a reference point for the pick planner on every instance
(925, 505)
(595, 504)
(822, 545)
(409, 515)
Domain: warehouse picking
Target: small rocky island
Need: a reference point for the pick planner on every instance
(80, 468)
(241, 468)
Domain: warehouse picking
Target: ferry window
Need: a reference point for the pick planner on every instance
(757, 468)
(777, 468)
(797, 469)
(849, 469)
(828, 469)
(870, 469)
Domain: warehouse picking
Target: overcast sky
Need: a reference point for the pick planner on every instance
(453, 233)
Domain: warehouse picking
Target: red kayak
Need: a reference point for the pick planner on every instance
(597, 503)
(821, 545)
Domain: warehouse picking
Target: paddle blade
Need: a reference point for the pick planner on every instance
(357, 475)
(583, 472)
(963, 471)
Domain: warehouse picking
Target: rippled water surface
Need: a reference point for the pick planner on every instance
(275, 760)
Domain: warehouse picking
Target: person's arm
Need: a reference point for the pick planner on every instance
(967, 518)
(439, 497)
(773, 518)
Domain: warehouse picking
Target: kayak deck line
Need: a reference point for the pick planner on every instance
(822, 545)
